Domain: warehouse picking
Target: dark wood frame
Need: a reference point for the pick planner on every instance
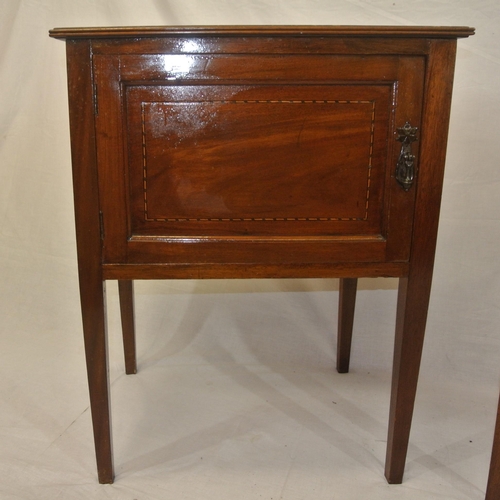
(436, 45)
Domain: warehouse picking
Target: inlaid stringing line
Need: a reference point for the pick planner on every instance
(372, 133)
(144, 163)
(259, 219)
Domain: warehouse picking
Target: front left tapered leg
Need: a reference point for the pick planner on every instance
(92, 294)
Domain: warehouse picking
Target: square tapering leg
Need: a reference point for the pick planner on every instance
(347, 302)
(126, 294)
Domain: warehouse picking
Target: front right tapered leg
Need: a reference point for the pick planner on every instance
(413, 301)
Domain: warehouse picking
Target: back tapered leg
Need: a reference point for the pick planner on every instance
(347, 301)
(126, 293)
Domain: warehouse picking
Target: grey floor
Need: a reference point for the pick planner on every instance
(237, 397)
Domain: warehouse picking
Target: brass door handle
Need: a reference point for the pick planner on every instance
(405, 168)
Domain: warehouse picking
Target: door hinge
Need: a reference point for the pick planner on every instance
(101, 225)
(94, 98)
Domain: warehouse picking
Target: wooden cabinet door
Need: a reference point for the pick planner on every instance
(261, 158)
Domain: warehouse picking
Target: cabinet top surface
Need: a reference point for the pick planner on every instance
(260, 30)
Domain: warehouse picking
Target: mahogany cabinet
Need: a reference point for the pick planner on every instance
(259, 152)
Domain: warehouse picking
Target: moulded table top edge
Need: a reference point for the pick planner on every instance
(263, 30)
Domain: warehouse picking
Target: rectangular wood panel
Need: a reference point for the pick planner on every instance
(254, 160)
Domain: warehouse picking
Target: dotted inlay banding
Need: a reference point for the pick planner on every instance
(251, 219)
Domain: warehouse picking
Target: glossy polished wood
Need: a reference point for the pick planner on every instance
(257, 152)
